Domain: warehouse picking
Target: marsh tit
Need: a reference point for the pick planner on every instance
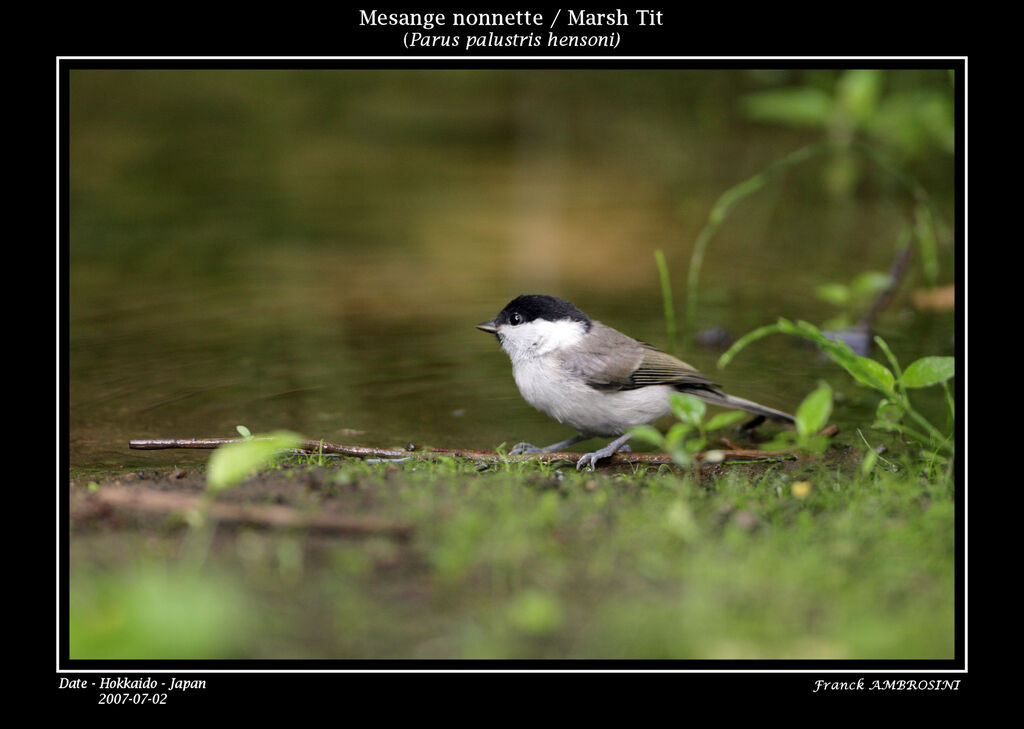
(593, 378)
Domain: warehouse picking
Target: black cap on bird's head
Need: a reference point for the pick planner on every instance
(529, 307)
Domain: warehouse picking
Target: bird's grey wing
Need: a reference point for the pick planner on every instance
(609, 360)
(660, 368)
(606, 359)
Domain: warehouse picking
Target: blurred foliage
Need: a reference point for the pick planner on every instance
(894, 410)
(853, 298)
(232, 463)
(692, 433)
(909, 124)
(155, 611)
(863, 127)
(214, 161)
(791, 561)
(666, 299)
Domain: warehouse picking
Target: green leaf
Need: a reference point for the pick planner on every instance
(815, 444)
(695, 445)
(888, 411)
(915, 123)
(787, 327)
(812, 415)
(724, 420)
(837, 323)
(887, 425)
(230, 464)
(869, 372)
(858, 91)
(688, 408)
(929, 371)
(648, 434)
(883, 345)
(870, 457)
(781, 441)
(833, 293)
(680, 456)
(676, 445)
(676, 435)
(864, 370)
(243, 431)
(869, 283)
(798, 107)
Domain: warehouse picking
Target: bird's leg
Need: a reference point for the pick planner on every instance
(591, 459)
(527, 448)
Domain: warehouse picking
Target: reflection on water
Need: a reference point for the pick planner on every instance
(311, 250)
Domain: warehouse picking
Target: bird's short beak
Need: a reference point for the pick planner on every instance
(487, 326)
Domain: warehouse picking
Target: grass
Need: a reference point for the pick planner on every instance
(808, 560)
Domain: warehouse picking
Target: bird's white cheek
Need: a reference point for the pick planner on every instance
(513, 347)
(540, 337)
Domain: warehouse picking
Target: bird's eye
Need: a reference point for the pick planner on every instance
(516, 318)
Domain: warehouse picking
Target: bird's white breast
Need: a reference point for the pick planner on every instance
(533, 348)
(571, 401)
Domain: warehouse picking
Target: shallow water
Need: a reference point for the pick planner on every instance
(311, 250)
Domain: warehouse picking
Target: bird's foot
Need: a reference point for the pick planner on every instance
(589, 460)
(521, 449)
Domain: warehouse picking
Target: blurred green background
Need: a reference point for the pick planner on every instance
(311, 249)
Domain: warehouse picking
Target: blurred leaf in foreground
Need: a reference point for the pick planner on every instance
(152, 612)
(232, 463)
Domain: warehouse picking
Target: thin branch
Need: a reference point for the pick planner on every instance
(147, 501)
(358, 451)
(896, 274)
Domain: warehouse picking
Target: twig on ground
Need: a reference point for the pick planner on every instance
(126, 499)
(358, 451)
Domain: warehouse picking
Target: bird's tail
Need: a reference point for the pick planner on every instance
(715, 397)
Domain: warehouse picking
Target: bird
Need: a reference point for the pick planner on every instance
(594, 378)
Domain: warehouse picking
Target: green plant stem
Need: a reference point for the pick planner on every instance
(933, 434)
(949, 401)
(666, 298)
(736, 193)
(721, 208)
(883, 345)
(937, 437)
(907, 430)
